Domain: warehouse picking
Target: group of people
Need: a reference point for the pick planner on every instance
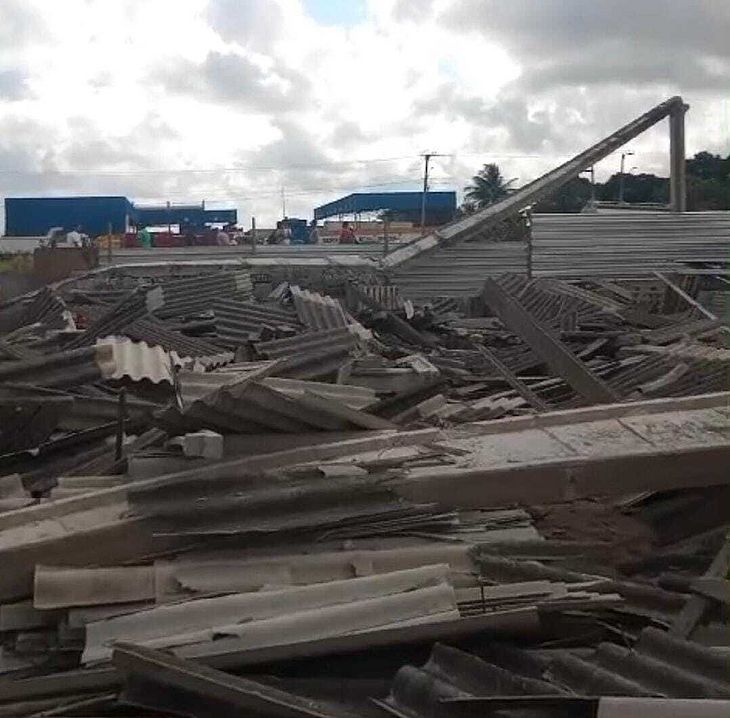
(74, 238)
(283, 234)
(224, 237)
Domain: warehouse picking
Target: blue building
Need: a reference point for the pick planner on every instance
(34, 216)
(195, 216)
(402, 206)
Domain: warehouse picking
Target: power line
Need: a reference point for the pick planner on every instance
(205, 170)
(291, 193)
(249, 168)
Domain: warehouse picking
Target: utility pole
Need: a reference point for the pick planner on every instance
(427, 158)
(624, 155)
(283, 203)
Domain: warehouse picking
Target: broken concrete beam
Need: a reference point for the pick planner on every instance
(557, 480)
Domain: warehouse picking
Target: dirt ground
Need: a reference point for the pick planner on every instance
(626, 538)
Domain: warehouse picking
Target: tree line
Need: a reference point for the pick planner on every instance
(708, 188)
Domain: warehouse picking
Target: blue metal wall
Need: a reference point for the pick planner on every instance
(187, 215)
(440, 206)
(34, 216)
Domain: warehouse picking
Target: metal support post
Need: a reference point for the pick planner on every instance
(677, 164)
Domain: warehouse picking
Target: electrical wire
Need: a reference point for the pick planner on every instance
(247, 168)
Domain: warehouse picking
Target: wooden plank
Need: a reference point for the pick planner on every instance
(550, 349)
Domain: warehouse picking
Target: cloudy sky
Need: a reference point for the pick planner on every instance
(232, 101)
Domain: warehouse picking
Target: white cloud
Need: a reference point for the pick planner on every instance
(231, 100)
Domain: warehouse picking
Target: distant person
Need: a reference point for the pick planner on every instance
(347, 234)
(313, 233)
(144, 238)
(54, 236)
(221, 238)
(233, 234)
(74, 237)
(281, 235)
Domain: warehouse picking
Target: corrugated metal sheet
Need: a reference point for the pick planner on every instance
(188, 296)
(125, 359)
(386, 295)
(54, 370)
(244, 402)
(626, 243)
(238, 322)
(658, 666)
(110, 358)
(130, 308)
(46, 307)
(310, 342)
(458, 270)
(318, 311)
(572, 245)
(155, 332)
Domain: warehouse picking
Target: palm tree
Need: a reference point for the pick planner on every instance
(488, 186)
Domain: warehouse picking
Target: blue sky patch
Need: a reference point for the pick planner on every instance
(336, 12)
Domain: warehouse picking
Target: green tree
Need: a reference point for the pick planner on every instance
(571, 197)
(487, 187)
(641, 188)
(707, 166)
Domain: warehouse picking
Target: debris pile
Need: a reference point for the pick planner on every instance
(529, 486)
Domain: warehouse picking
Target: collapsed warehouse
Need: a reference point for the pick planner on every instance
(411, 486)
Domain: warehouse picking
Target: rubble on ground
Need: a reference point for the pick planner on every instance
(513, 501)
